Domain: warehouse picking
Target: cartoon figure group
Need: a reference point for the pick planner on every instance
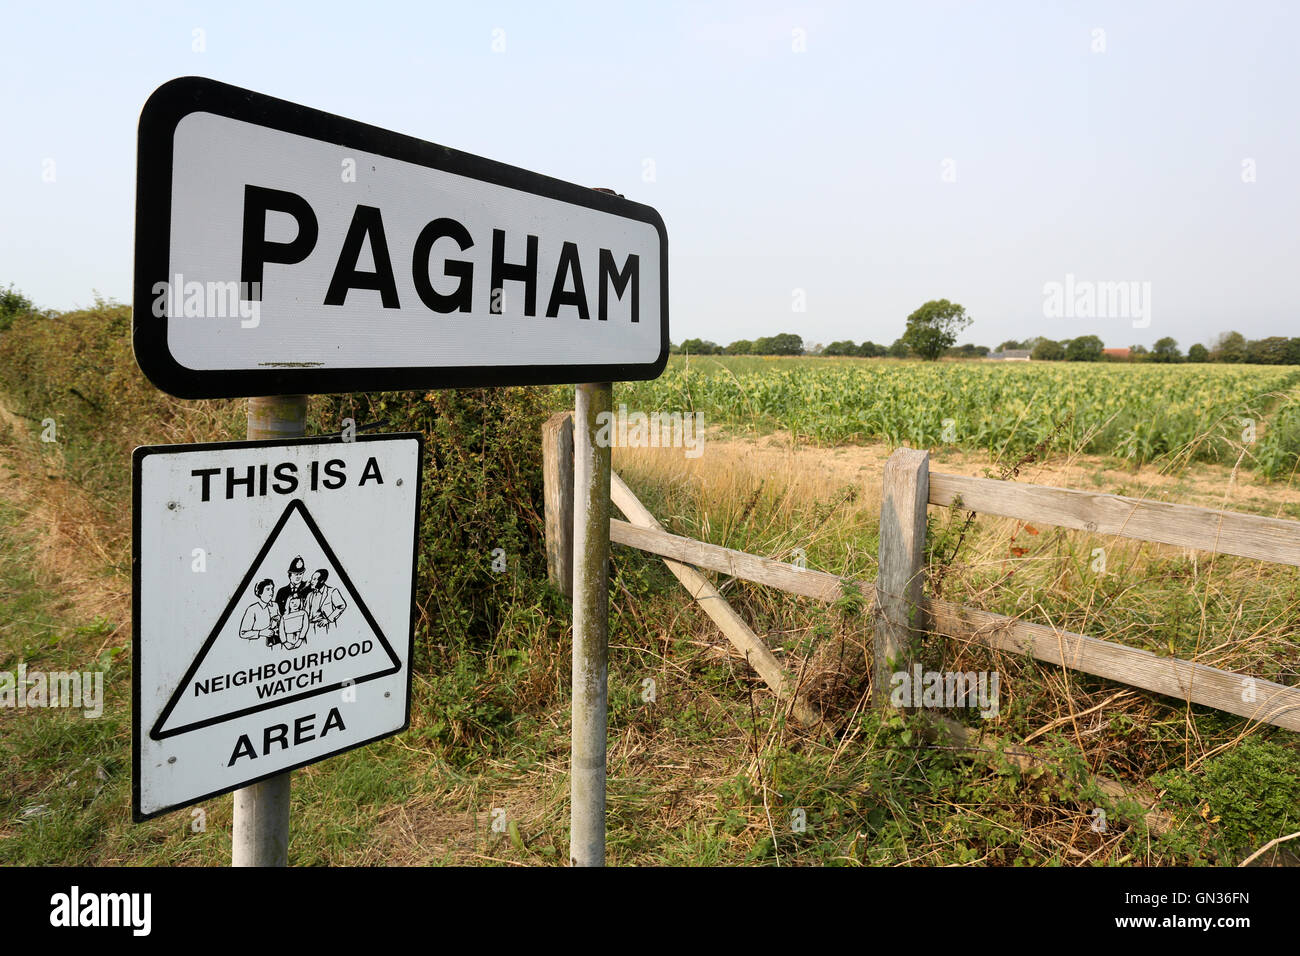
(299, 610)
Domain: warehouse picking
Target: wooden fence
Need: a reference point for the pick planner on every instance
(904, 611)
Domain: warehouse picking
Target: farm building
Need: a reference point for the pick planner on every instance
(1010, 355)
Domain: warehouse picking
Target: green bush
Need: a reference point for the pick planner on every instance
(482, 491)
(12, 305)
(1240, 799)
(483, 472)
(73, 377)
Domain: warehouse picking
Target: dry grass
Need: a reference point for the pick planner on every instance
(72, 546)
(771, 497)
(78, 542)
(1013, 567)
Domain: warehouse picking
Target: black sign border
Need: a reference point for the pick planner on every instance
(137, 465)
(178, 98)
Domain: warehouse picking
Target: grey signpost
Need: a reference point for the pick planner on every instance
(280, 252)
(591, 471)
(261, 824)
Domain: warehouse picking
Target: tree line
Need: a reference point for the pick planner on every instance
(785, 343)
(931, 329)
(932, 333)
(1230, 347)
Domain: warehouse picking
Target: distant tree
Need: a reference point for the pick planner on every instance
(1086, 348)
(674, 348)
(13, 304)
(1198, 353)
(1231, 347)
(814, 349)
(1012, 344)
(787, 343)
(932, 329)
(1165, 350)
(784, 343)
(899, 349)
(1270, 351)
(869, 349)
(844, 347)
(969, 350)
(701, 347)
(1046, 350)
(1293, 351)
(1138, 353)
(740, 347)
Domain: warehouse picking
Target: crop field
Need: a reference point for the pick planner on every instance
(1144, 413)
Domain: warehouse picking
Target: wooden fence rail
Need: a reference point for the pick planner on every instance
(1271, 703)
(903, 610)
(1224, 532)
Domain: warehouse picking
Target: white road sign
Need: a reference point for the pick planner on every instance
(273, 593)
(281, 250)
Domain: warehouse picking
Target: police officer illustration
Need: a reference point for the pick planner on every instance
(296, 585)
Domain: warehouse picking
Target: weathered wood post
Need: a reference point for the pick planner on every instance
(261, 825)
(591, 471)
(905, 491)
(557, 479)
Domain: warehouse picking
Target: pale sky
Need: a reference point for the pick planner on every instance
(870, 155)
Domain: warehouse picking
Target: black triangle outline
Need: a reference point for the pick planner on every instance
(157, 733)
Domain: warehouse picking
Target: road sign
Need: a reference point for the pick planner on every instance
(283, 250)
(274, 586)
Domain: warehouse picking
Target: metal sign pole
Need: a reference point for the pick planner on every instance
(261, 827)
(591, 471)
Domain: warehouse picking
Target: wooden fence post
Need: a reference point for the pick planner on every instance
(557, 478)
(905, 491)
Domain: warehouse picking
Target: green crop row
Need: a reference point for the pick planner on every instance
(1138, 412)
